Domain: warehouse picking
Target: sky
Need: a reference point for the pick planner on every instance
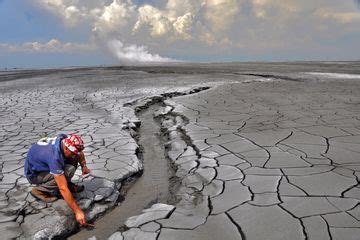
(58, 33)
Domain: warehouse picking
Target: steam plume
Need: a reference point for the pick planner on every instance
(133, 53)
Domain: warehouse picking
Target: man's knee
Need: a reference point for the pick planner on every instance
(45, 182)
(42, 177)
(69, 171)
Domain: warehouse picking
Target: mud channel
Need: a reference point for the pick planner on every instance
(156, 184)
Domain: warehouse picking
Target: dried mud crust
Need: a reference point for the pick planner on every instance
(157, 183)
(269, 160)
(112, 153)
(112, 160)
(175, 142)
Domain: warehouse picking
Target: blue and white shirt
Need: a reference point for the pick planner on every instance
(45, 156)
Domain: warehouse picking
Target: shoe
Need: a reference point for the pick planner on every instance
(42, 196)
(75, 188)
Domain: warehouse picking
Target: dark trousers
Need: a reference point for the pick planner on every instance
(45, 181)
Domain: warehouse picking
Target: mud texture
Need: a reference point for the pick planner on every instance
(270, 144)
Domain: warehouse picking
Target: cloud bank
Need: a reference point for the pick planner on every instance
(52, 46)
(212, 27)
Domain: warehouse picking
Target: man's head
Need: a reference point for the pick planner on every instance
(73, 145)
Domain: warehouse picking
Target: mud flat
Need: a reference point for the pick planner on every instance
(79, 102)
(269, 146)
(269, 158)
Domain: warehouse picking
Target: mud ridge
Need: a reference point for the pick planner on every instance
(148, 113)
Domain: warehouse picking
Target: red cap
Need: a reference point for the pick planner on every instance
(74, 143)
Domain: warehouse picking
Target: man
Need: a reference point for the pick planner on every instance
(50, 164)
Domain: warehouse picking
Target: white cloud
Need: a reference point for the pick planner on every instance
(176, 20)
(220, 14)
(157, 21)
(270, 9)
(73, 12)
(52, 46)
(183, 25)
(115, 16)
(213, 26)
(342, 17)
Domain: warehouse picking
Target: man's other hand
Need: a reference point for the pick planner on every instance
(85, 170)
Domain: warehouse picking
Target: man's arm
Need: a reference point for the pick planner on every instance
(82, 162)
(65, 192)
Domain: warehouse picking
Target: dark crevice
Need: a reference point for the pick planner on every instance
(301, 223)
(348, 189)
(343, 175)
(328, 227)
(243, 237)
(304, 230)
(291, 147)
(223, 188)
(287, 179)
(287, 137)
(327, 145)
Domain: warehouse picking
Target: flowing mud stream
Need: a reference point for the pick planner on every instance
(152, 187)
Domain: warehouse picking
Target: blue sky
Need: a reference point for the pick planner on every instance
(56, 33)
(21, 21)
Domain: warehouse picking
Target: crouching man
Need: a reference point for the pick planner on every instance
(50, 164)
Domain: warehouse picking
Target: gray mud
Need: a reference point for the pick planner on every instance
(152, 187)
(315, 116)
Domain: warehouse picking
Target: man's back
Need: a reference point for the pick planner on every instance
(45, 156)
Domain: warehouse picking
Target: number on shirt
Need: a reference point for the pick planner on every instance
(46, 141)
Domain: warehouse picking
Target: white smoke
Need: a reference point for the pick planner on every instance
(133, 53)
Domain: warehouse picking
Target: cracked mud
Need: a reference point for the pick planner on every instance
(258, 157)
(262, 161)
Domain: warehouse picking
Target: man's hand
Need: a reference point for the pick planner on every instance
(65, 192)
(85, 170)
(82, 162)
(80, 217)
